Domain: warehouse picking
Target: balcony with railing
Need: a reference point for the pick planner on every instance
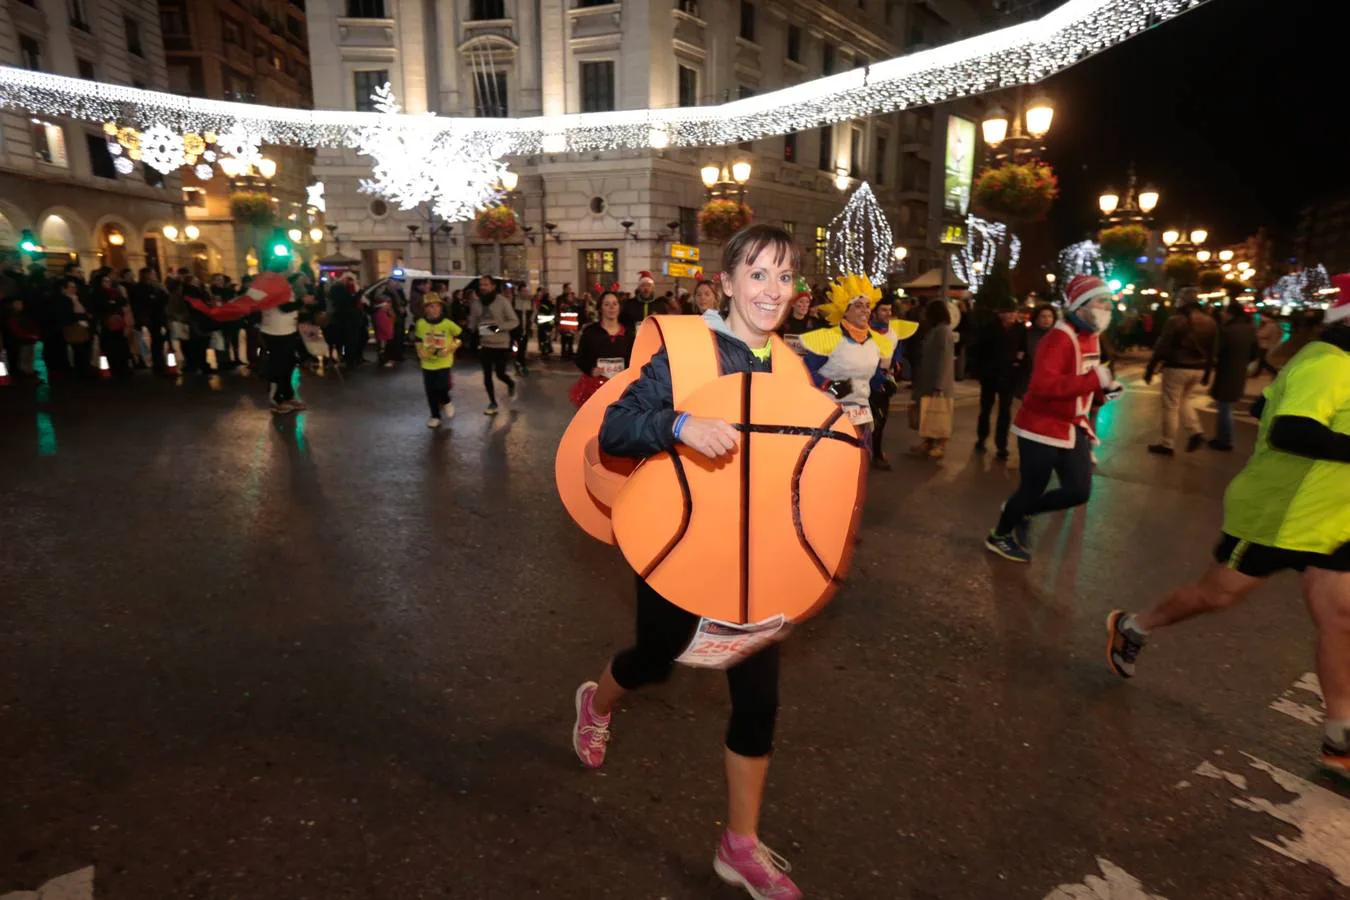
(592, 19)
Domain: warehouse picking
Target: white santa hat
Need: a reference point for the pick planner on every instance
(646, 278)
(1340, 307)
(1082, 288)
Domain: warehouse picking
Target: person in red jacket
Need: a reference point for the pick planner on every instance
(1053, 431)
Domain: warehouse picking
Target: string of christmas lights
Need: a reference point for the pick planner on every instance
(1082, 258)
(859, 241)
(977, 256)
(1019, 54)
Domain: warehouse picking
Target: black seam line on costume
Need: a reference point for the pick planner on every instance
(817, 435)
(686, 512)
(802, 431)
(745, 501)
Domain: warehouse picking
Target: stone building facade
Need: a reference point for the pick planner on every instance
(531, 57)
(57, 176)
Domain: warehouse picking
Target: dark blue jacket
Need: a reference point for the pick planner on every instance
(641, 422)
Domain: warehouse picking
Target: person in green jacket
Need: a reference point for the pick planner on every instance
(436, 338)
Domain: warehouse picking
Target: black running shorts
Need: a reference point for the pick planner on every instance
(1260, 561)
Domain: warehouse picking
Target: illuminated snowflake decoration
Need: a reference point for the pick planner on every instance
(209, 156)
(314, 197)
(859, 239)
(1082, 258)
(1303, 286)
(987, 239)
(123, 165)
(114, 148)
(203, 171)
(243, 145)
(415, 162)
(162, 148)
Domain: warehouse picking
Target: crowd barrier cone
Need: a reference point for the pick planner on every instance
(4, 373)
(103, 370)
(170, 363)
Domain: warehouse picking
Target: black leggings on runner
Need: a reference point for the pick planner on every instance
(1037, 461)
(494, 359)
(437, 384)
(663, 631)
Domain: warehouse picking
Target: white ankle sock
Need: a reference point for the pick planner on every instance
(1338, 732)
(1133, 625)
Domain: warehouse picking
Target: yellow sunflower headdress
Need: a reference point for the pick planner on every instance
(844, 291)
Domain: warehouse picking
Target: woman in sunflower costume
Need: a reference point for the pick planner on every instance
(847, 358)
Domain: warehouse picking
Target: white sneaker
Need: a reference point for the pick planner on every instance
(433, 422)
(447, 411)
(388, 363)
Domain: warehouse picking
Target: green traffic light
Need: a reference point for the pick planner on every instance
(1115, 285)
(281, 250)
(28, 243)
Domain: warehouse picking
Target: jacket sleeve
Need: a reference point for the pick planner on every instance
(641, 422)
(1308, 437)
(813, 363)
(585, 357)
(507, 320)
(1053, 375)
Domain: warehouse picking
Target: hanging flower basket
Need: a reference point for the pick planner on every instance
(495, 223)
(252, 207)
(1124, 243)
(1017, 192)
(719, 219)
(1183, 269)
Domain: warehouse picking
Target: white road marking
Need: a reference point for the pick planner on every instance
(1289, 703)
(1207, 769)
(1113, 884)
(77, 885)
(1322, 817)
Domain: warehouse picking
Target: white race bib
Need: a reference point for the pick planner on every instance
(720, 645)
(795, 342)
(858, 415)
(610, 366)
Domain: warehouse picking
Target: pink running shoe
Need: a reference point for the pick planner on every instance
(744, 861)
(590, 734)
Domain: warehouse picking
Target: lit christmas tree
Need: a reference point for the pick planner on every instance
(859, 240)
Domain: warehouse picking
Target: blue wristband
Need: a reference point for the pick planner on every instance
(679, 424)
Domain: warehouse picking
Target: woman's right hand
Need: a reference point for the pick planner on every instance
(596, 373)
(714, 438)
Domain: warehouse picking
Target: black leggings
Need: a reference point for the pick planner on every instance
(437, 384)
(281, 354)
(663, 631)
(1073, 465)
(494, 359)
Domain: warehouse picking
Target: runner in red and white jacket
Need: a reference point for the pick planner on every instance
(1054, 434)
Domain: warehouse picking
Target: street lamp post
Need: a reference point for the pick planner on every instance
(1022, 144)
(1137, 204)
(723, 182)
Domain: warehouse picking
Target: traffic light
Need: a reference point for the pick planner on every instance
(28, 243)
(281, 250)
(1115, 285)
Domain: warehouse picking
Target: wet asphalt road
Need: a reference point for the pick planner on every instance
(333, 655)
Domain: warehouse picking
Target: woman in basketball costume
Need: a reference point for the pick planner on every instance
(759, 263)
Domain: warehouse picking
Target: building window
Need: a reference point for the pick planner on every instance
(601, 267)
(597, 86)
(748, 20)
(480, 10)
(133, 29)
(825, 162)
(827, 59)
(231, 33)
(879, 161)
(489, 95)
(790, 147)
(794, 43)
(30, 53)
(690, 7)
(365, 9)
(582, 4)
(173, 21)
(364, 84)
(194, 198)
(237, 87)
(688, 225)
(78, 19)
(152, 176)
(100, 160)
(822, 242)
(85, 69)
(855, 153)
(688, 86)
(49, 144)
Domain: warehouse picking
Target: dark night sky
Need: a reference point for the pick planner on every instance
(1231, 110)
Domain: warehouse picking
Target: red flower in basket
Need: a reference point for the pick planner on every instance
(495, 223)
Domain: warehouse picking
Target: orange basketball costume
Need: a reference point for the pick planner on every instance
(763, 532)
